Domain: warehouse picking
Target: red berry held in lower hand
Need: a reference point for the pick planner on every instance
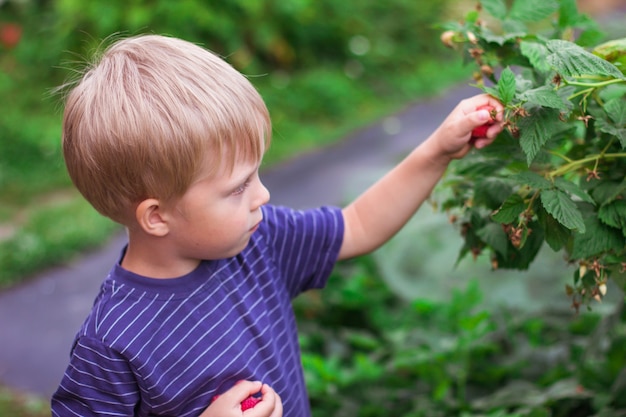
(481, 131)
(246, 404)
(249, 402)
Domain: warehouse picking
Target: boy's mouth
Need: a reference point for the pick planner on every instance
(255, 227)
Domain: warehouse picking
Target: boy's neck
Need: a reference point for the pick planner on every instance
(155, 261)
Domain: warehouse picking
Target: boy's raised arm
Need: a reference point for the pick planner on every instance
(383, 209)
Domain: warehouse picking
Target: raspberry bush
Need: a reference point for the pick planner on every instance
(556, 174)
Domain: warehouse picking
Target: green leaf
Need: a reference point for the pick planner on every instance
(603, 124)
(560, 206)
(514, 26)
(533, 10)
(477, 167)
(614, 214)
(557, 235)
(532, 180)
(568, 14)
(598, 238)
(493, 235)
(616, 109)
(506, 86)
(510, 209)
(616, 112)
(536, 129)
(545, 96)
(501, 39)
(491, 91)
(608, 191)
(472, 16)
(573, 189)
(570, 60)
(490, 192)
(536, 54)
(496, 8)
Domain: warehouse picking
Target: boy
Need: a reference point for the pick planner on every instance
(165, 138)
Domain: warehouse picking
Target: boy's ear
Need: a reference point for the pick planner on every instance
(149, 214)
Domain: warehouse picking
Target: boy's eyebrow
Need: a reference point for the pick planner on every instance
(249, 173)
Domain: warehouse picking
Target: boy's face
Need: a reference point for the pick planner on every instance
(217, 215)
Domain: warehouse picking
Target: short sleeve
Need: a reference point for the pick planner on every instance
(305, 244)
(98, 381)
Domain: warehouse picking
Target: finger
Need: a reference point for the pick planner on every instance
(489, 137)
(268, 404)
(472, 104)
(278, 408)
(242, 390)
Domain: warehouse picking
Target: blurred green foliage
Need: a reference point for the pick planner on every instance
(370, 352)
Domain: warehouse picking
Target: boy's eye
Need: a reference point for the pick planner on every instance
(241, 188)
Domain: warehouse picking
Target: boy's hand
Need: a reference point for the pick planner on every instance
(229, 404)
(480, 115)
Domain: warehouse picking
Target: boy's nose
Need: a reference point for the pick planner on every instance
(262, 197)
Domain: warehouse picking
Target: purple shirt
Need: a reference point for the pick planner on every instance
(166, 347)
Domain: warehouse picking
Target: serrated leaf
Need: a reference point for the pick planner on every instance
(491, 91)
(493, 235)
(608, 191)
(524, 81)
(532, 179)
(536, 54)
(501, 39)
(496, 8)
(536, 129)
(613, 214)
(598, 238)
(514, 26)
(490, 192)
(557, 235)
(560, 206)
(545, 96)
(510, 210)
(616, 110)
(571, 60)
(605, 125)
(573, 189)
(533, 10)
(477, 167)
(506, 86)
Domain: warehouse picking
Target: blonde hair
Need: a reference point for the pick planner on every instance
(144, 118)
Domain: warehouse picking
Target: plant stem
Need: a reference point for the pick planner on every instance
(595, 85)
(580, 162)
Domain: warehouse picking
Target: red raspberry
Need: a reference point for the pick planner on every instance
(246, 404)
(249, 402)
(481, 131)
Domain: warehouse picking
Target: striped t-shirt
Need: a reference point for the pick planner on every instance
(154, 347)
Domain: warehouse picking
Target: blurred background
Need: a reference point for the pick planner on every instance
(325, 68)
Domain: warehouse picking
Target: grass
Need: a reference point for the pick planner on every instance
(16, 404)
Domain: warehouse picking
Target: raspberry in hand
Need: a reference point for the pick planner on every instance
(246, 404)
(481, 131)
